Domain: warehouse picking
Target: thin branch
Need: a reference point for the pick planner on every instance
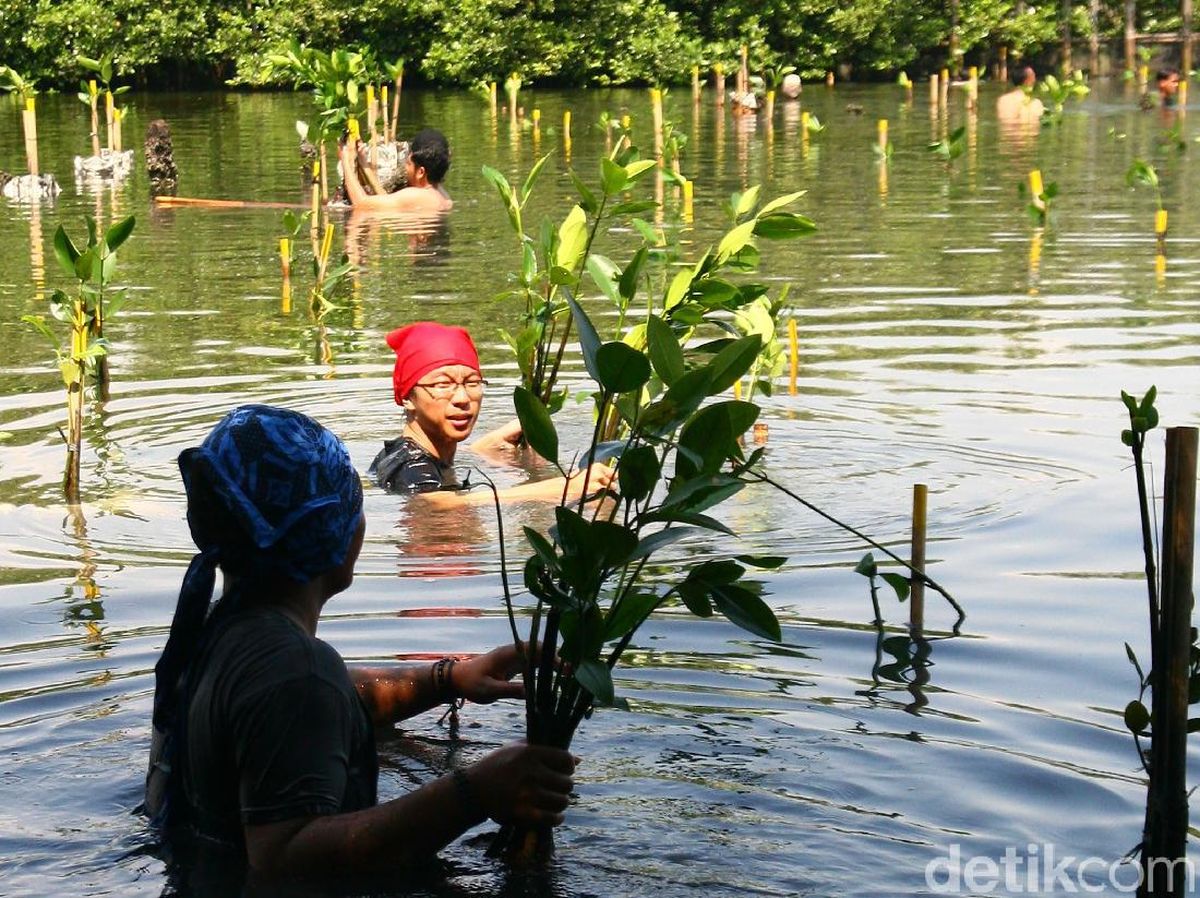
(920, 575)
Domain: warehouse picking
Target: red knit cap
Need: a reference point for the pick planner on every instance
(426, 345)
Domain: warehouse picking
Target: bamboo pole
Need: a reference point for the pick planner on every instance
(719, 83)
(324, 173)
(794, 356)
(118, 114)
(383, 111)
(1065, 25)
(829, 79)
(770, 111)
(567, 133)
(973, 88)
(29, 120)
(883, 134)
(687, 200)
(1002, 70)
(1036, 189)
(916, 598)
(695, 84)
(944, 87)
(934, 92)
(1094, 38)
(656, 117)
(93, 97)
(285, 256)
(108, 115)
(1164, 841)
(1160, 229)
(371, 121)
(744, 72)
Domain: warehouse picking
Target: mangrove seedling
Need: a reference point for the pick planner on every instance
(813, 124)
(22, 87)
(85, 313)
(950, 148)
(1057, 93)
(1165, 661)
(394, 71)
(1142, 174)
(868, 567)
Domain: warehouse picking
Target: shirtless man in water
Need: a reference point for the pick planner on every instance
(428, 162)
(1019, 104)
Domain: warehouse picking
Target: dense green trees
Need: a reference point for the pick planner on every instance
(198, 42)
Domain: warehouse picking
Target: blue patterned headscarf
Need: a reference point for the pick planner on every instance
(271, 494)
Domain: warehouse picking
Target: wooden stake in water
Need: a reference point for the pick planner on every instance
(383, 110)
(371, 120)
(695, 84)
(916, 598)
(944, 87)
(118, 118)
(883, 134)
(285, 256)
(656, 116)
(744, 72)
(29, 120)
(934, 92)
(567, 132)
(1181, 102)
(794, 356)
(1160, 229)
(1164, 840)
(687, 200)
(399, 82)
(973, 88)
(492, 95)
(93, 99)
(719, 83)
(1144, 75)
(1036, 189)
(1002, 68)
(770, 110)
(626, 121)
(108, 116)
(314, 221)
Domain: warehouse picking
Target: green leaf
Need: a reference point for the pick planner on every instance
(898, 582)
(695, 597)
(748, 611)
(665, 352)
(65, 251)
(735, 240)
(627, 285)
(596, 678)
(636, 169)
(613, 177)
(1137, 718)
(680, 284)
(744, 203)
(675, 515)
(615, 543)
(541, 546)
(765, 562)
(702, 493)
(661, 539)
(629, 613)
(604, 274)
(732, 362)
(536, 424)
(532, 177)
(38, 323)
(622, 369)
(633, 207)
(572, 239)
(783, 226)
(866, 566)
(589, 340)
(587, 199)
(638, 473)
(779, 202)
(85, 263)
(712, 435)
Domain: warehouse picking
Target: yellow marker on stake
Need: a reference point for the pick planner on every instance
(352, 127)
(626, 121)
(285, 256)
(883, 134)
(687, 200)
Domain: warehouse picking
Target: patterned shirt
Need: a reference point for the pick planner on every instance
(403, 466)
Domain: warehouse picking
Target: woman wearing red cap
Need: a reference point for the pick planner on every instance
(438, 381)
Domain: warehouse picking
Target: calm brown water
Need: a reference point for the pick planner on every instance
(943, 340)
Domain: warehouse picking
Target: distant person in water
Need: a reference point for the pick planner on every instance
(263, 745)
(1167, 82)
(438, 382)
(425, 170)
(1019, 104)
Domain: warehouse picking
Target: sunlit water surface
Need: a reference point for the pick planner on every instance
(943, 340)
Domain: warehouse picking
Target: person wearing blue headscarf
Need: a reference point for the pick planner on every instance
(263, 738)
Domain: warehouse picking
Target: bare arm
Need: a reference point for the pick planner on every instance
(518, 783)
(542, 490)
(398, 692)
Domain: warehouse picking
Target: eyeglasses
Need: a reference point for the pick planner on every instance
(445, 389)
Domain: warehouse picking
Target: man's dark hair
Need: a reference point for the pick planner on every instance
(430, 150)
(1167, 72)
(1019, 73)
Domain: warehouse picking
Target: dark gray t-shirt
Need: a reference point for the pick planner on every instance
(275, 730)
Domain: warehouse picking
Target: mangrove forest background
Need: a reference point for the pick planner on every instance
(197, 43)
